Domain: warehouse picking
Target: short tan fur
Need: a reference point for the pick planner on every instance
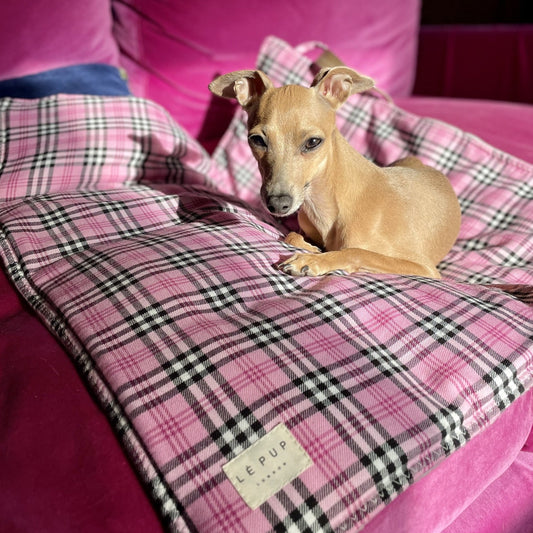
(399, 219)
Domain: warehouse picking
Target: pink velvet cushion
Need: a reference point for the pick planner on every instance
(172, 50)
(38, 35)
(507, 126)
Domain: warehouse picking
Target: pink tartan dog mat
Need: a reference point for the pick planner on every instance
(121, 233)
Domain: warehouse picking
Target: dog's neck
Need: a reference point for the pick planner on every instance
(345, 176)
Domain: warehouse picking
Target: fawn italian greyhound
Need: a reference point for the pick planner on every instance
(399, 219)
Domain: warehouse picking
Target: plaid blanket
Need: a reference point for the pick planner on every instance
(153, 263)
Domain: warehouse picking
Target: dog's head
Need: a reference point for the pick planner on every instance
(291, 128)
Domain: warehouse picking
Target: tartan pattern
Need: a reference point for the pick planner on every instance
(162, 287)
(92, 144)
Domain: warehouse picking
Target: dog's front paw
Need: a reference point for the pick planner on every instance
(297, 240)
(304, 265)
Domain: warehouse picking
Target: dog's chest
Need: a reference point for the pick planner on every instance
(320, 231)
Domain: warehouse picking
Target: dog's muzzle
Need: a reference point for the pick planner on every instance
(279, 204)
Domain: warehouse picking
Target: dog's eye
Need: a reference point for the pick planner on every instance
(312, 143)
(257, 140)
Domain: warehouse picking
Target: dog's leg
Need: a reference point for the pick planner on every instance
(354, 260)
(298, 241)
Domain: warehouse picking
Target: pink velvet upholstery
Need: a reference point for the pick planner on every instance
(61, 467)
(173, 50)
(38, 35)
(505, 507)
(486, 457)
(508, 126)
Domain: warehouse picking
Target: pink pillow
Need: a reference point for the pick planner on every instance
(38, 35)
(172, 50)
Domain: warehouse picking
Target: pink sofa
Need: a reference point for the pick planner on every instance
(69, 462)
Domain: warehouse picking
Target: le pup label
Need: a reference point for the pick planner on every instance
(267, 466)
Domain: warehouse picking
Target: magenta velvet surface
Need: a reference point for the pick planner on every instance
(61, 467)
(506, 506)
(171, 51)
(39, 35)
(507, 126)
(433, 503)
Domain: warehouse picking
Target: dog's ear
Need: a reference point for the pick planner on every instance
(246, 86)
(337, 83)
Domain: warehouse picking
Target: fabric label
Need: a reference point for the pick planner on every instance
(267, 466)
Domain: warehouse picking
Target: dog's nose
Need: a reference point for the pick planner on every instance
(279, 204)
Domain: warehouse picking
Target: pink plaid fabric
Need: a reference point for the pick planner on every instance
(154, 265)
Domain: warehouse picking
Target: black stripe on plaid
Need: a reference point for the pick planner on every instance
(55, 218)
(113, 206)
(173, 162)
(514, 260)
(441, 328)
(94, 156)
(293, 77)
(282, 284)
(500, 220)
(355, 116)
(237, 433)
(384, 360)
(321, 388)
(413, 140)
(503, 381)
(118, 282)
(449, 420)
(484, 305)
(472, 244)
(383, 463)
(245, 175)
(478, 278)
(188, 368)
(48, 121)
(185, 259)
(72, 246)
(58, 222)
(308, 517)
(265, 332)
(285, 76)
(447, 159)
(265, 62)
(141, 121)
(119, 213)
(175, 169)
(466, 204)
(96, 122)
(148, 319)
(243, 248)
(380, 288)
(43, 161)
(222, 296)
(525, 190)
(327, 308)
(383, 130)
(486, 175)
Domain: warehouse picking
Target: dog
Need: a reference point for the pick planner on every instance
(399, 219)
